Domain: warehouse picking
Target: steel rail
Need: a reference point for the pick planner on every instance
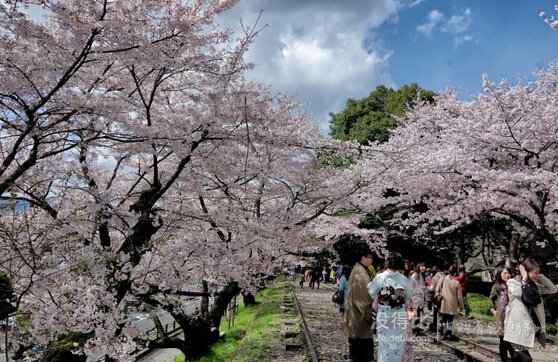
(456, 349)
(307, 338)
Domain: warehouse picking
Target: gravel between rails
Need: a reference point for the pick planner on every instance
(326, 330)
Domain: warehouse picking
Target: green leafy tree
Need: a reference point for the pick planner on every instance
(371, 119)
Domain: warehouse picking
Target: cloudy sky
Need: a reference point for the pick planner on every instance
(327, 51)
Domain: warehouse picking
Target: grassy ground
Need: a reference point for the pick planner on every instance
(255, 329)
(479, 305)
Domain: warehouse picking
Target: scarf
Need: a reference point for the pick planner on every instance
(504, 299)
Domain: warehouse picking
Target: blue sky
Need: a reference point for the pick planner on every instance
(327, 51)
(500, 38)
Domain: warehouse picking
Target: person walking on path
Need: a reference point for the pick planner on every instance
(292, 272)
(358, 310)
(437, 276)
(315, 277)
(499, 292)
(450, 291)
(393, 292)
(409, 352)
(428, 296)
(525, 319)
(308, 276)
(301, 279)
(462, 279)
(338, 273)
(344, 287)
(418, 283)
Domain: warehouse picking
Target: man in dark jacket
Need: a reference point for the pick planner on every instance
(358, 317)
(316, 276)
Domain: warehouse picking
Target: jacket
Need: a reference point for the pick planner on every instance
(519, 327)
(498, 317)
(358, 310)
(450, 290)
(419, 288)
(463, 282)
(434, 283)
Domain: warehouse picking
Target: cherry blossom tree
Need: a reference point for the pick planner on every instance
(550, 19)
(137, 160)
(495, 154)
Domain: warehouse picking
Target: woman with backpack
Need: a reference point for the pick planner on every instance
(393, 291)
(525, 318)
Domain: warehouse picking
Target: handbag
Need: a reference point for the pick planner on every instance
(338, 297)
(530, 295)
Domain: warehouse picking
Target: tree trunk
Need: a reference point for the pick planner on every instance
(198, 336)
(201, 330)
(222, 300)
(461, 252)
(513, 250)
(248, 299)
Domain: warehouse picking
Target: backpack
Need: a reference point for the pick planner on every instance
(530, 295)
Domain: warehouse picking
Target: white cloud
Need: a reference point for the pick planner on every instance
(459, 23)
(455, 24)
(416, 3)
(434, 18)
(462, 39)
(323, 50)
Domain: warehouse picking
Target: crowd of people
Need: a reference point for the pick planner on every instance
(392, 303)
(312, 276)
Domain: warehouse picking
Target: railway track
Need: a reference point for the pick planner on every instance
(485, 348)
(322, 330)
(465, 349)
